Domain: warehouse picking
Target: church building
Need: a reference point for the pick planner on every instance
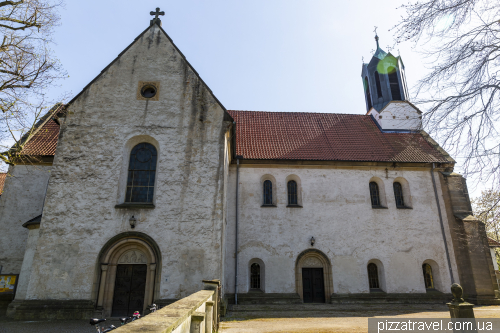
(144, 185)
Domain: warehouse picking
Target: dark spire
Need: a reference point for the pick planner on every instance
(379, 53)
(376, 37)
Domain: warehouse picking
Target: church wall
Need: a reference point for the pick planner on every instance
(21, 201)
(337, 212)
(186, 125)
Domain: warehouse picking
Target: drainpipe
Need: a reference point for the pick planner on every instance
(442, 225)
(236, 234)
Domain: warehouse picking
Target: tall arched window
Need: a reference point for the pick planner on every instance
(377, 82)
(141, 173)
(429, 281)
(255, 276)
(268, 192)
(373, 276)
(394, 83)
(398, 195)
(368, 97)
(292, 193)
(374, 194)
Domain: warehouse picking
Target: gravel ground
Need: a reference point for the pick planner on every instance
(51, 326)
(323, 318)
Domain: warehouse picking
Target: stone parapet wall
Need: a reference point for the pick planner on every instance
(190, 314)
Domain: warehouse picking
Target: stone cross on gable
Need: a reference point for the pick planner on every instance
(156, 14)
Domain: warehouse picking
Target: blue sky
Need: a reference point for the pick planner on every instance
(273, 55)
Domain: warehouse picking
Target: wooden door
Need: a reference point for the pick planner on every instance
(130, 287)
(313, 285)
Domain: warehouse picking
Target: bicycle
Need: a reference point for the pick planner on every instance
(135, 316)
(96, 321)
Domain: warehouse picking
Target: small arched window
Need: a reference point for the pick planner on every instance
(429, 281)
(268, 192)
(374, 194)
(292, 193)
(367, 93)
(379, 87)
(255, 276)
(373, 276)
(394, 83)
(398, 195)
(141, 173)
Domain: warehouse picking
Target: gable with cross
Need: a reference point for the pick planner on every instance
(156, 18)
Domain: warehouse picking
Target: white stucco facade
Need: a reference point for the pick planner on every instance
(23, 199)
(336, 210)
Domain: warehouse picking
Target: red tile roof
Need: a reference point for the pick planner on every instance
(44, 141)
(2, 181)
(325, 137)
(493, 243)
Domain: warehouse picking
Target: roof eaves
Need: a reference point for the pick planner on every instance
(436, 146)
(33, 221)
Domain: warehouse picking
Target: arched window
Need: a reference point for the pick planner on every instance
(141, 173)
(377, 82)
(429, 281)
(373, 276)
(268, 192)
(255, 276)
(394, 83)
(398, 195)
(292, 193)
(367, 91)
(374, 194)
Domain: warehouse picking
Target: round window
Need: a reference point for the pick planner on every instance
(148, 91)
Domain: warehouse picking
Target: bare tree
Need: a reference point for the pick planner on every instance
(27, 68)
(461, 40)
(487, 209)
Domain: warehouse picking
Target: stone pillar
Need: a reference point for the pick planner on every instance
(209, 312)
(150, 284)
(458, 307)
(213, 285)
(197, 319)
(104, 271)
(470, 245)
(29, 254)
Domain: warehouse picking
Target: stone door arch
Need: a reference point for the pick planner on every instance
(313, 258)
(125, 251)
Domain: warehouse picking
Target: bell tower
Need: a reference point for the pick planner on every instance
(383, 79)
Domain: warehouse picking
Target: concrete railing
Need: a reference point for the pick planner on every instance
(192, 314)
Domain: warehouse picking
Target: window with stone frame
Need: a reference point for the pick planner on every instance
(141, 173)
(428, 279)
(375, 194)
(398, 195)
(268, 193)
(292, 193)
(255, 276)
(373, 276)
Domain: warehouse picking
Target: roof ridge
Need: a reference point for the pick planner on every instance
(301, 112)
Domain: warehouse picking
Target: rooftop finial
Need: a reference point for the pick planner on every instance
(376, 36)
(156, 14)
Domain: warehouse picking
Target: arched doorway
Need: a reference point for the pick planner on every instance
(128, 267)
(313, 277)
